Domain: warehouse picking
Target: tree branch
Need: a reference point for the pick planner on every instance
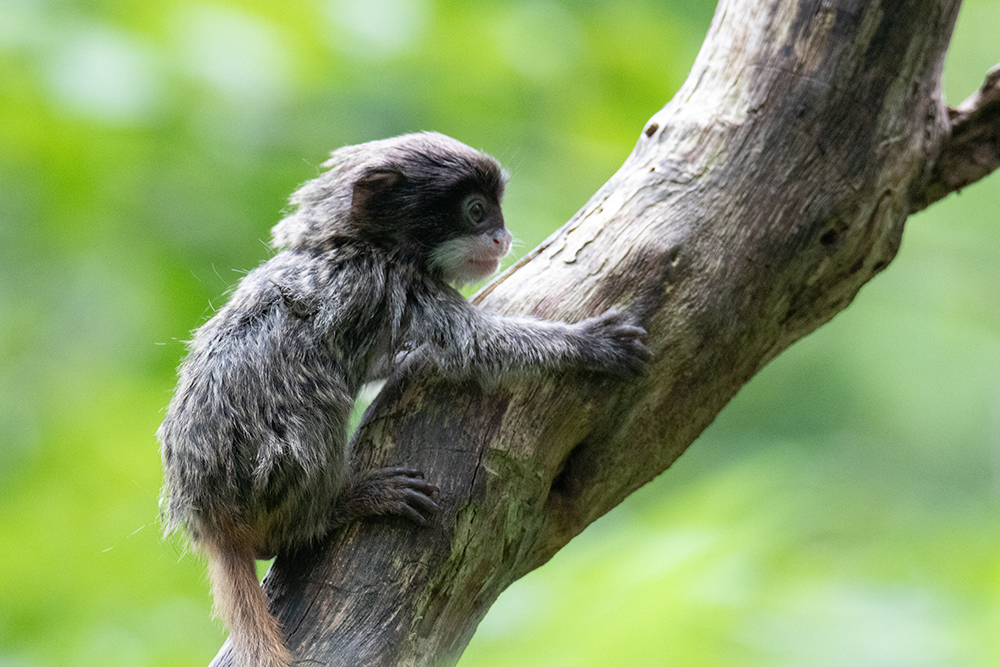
(971, 150)
(753, 208)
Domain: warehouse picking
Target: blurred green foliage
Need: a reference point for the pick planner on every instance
(843, 510)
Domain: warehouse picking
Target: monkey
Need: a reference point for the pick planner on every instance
(254, 442)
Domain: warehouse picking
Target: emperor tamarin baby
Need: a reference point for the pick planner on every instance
(254, 443)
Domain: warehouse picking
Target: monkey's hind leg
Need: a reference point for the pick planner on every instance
(400, 491)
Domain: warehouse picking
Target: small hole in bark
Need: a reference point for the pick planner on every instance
(829, 237)
(858, 265)
(651, 130)
(878, 266)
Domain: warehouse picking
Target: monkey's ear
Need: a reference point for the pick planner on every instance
(371, 186)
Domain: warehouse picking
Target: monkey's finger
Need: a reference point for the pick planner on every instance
(643, 356)
(407, 512)
(634, 361)
(420, 486)
(411, 479)
(420, 501)
(398, 472)
(632, 331)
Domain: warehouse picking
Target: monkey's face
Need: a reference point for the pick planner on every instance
(481, 242)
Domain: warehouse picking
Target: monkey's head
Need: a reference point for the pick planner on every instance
(427, 194)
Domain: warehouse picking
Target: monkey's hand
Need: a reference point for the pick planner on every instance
(614, 344)
(400, 491)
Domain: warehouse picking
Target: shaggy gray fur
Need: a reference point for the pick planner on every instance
(254, 442)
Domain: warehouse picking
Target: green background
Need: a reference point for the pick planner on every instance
(843, 510)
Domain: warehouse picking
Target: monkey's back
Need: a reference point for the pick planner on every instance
(254, 437)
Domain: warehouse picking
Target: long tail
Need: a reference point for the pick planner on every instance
(239, 600)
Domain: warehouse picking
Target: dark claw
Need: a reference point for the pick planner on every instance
(398, 472)
(633, 331)
(422, 487)
(405, 493)
(625, 353)
(407, 479)
(420, 501)
(408, 512)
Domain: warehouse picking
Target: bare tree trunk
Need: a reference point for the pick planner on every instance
(754, 207)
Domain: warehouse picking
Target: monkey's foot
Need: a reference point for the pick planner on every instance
(400, 491)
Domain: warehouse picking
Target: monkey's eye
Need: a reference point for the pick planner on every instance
(475, 210)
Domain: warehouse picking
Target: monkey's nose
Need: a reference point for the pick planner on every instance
(503, 238)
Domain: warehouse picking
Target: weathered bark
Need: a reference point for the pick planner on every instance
(971, 149)
(753, 208)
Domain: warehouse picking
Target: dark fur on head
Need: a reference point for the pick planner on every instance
(413, 174)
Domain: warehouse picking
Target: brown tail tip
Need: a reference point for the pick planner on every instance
(255, 635)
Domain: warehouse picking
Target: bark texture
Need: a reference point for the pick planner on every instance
(753, 208)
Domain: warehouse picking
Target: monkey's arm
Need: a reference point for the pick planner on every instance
(465, 341)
